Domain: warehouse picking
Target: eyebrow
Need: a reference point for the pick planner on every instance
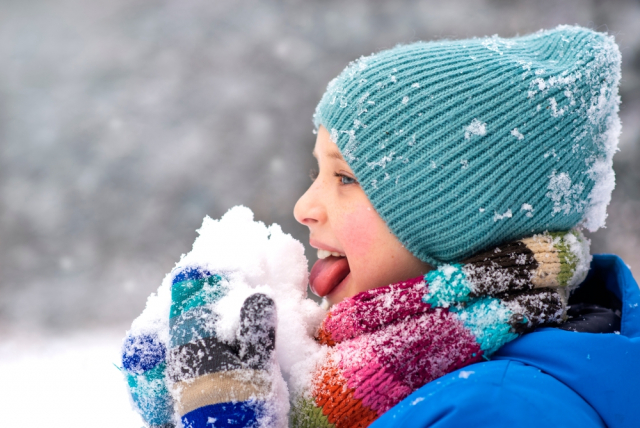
(334, 154)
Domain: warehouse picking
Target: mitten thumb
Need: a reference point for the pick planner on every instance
(257, 331)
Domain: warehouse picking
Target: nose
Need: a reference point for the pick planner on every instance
(309, 209)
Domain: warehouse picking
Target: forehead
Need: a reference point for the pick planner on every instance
(325, 148)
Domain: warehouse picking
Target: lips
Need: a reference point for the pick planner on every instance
(327, 273)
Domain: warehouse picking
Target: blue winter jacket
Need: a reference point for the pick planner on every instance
(551, 377)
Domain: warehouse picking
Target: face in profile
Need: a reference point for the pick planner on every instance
(356, 249)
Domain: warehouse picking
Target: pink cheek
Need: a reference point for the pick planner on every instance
(358, 231)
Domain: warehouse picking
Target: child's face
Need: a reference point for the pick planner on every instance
(341, 220)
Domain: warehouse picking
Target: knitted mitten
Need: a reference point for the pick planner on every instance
(143, 361)
(385, 343)
(180, 370)
(212, 381)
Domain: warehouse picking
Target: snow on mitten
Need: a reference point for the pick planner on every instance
(215, 382)
(143, 361)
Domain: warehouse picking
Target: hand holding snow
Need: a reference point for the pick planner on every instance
(256, 258)
(249, 258)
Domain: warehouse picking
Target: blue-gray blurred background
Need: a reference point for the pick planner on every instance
(124, 122)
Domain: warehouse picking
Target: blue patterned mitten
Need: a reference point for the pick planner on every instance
(143, 361)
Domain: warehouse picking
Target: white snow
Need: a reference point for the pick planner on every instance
(476, 127)
(554, 108)
(579, 246)
(253, 258)
(517, 134)
(602, 172)
(564, 194)
(417, 400)
(497, 44)
(257, 258)
(464, 374)
(382, 162)
(64, 381)
(528, 208)
(601, 76)
(506, 214)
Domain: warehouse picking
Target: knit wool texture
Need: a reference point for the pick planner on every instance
(463, 145)
(382, 344)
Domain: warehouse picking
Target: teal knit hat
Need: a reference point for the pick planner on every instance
(462, 145)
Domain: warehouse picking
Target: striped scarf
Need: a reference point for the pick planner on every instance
(385, 343)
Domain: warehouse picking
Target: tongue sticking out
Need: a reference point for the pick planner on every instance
(327, 273)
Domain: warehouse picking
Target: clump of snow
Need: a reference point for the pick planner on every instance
(564, 194)
(417, 400)
(154, 320)
(464, 374)
(405, 99)
(528, 208)
(256, 258)
(517, 134)
(555, 112)
(601, 172)
(476, 127)
(506, 214)
(252, 258)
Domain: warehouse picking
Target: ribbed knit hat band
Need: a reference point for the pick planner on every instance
(462, 145)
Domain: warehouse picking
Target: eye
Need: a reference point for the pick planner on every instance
(345, 179)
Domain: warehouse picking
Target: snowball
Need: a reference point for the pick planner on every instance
(253, 258)
(260, 259)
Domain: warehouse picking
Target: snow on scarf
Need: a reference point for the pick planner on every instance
(385, 343)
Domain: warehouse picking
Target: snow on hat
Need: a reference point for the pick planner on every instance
(462, 145)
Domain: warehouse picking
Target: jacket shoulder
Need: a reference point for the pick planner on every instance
(493, 394)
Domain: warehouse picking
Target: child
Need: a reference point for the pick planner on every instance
(454, 178)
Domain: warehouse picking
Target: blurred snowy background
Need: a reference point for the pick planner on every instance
(123, 123)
